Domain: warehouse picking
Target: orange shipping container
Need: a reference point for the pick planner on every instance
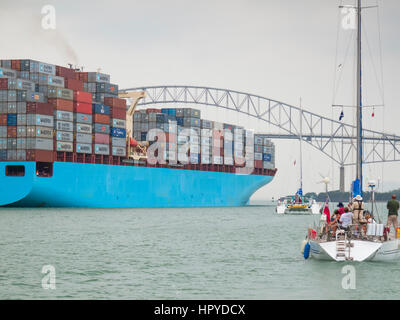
(62, 104)
(115, 102)
(102, 118)
(12, 131)
(39, 155)
(16, 65)
(3, 119)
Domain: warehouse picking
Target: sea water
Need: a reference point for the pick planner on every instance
(175, 253)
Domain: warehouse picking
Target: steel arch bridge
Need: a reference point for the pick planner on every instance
(333, 138)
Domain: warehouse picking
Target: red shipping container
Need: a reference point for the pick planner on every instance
(82, 96)
(3, 119)
(73, 84)
(82, 76)
(101, 118)
(40, 108)
(16, 65)
(11, 131)
(66, 73)
(101, 138)
(152, 110)
(62, 104)
(3, 84)
(118, 113)
(115, 102)
(258, 164)
(39, 155)
(80, 107)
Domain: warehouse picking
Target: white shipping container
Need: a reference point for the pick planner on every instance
(7, 73)
(257, 156)
(55, 81)
(83, 148)
(206, 132)
(217, 159)
(194, 148)
(84, 138)
(228, 161)
(64, 126)
(84, 128)
(205, 158)
(39, 144)
(64, 115)
(102, 149)
(21, 119)
(64, 136)
(183, 157)
(21, 132)
(118, 123)
(119, 151)
(118, 142)
(64, 146)
(39, 120)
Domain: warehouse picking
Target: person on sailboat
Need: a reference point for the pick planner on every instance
(333, 225)
(393, 207)
(341, 208)
(346, 219)
(358, 211)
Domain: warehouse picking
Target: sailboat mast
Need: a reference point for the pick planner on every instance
(359, 97)
(301, 154)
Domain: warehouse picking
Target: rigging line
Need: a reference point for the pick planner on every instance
(351, 40)
(372, 60)
(382, 81)
(336, 55)
(335, 67)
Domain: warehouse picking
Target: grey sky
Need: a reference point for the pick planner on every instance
(278, 49)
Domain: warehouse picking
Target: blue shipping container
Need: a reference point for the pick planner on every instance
(3, 155)
(179, 121)
(267, 157)
(143, 136)
(118, 132)
(12, 119)
(101, 108)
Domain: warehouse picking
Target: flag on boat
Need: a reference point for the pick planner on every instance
(341, 116)
(327, 212)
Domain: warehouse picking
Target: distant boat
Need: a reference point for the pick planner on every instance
(298, 204)
(291, 205)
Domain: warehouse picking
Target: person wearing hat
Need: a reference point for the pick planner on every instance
(393, 209)
(341, 208)
(358, 211)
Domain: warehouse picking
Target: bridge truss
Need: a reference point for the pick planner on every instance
(334, 138)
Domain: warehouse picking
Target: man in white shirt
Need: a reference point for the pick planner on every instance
(346, 218)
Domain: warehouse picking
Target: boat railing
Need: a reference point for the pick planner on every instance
(357, 232)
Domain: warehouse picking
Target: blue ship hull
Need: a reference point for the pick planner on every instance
(99, 185)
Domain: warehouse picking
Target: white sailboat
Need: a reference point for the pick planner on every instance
(354, 244)
(298, 204)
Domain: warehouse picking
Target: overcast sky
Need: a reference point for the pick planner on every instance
(282, 50)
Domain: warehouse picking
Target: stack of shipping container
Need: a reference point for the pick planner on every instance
(190, 139)
(49, 112)
(52, 113)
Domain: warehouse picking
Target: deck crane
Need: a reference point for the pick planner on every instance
(135, 150)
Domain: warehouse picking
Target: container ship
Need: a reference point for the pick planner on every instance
(69, 138)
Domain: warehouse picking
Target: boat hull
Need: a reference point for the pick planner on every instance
(100, 185)
(283, 209)
(362, 250)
